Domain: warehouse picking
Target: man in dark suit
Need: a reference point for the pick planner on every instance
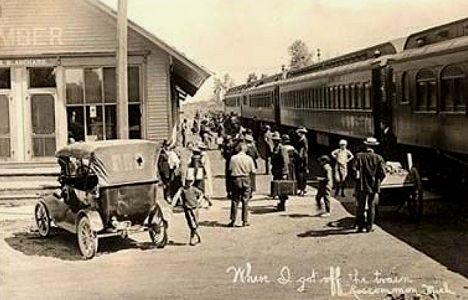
(302, 167)
(370, 171)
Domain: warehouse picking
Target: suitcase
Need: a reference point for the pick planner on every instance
(283, 187)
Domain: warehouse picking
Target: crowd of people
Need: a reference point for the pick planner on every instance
(286, 158)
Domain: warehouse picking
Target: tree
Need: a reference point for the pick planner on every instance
(252, 77)
(221, 85)
(300, 56)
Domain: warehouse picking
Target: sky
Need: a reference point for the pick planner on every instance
(239, 37)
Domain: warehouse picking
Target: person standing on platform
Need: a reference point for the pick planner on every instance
(325, 185)
(252, 152)
(342, 157)
(191, 200)
(267, 137)
(196, 170)
(166, 173)
(242, 167)
(206, 163)
(389, 146)
(279, 166)
(184, 131)
(370, 171)
(302, 165)
(227, 152)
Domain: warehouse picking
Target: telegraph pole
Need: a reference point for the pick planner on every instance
(121, 71)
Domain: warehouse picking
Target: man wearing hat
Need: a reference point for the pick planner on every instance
(241, 167)
(280, 166)
(342, 157)
(325, 185)
(252, 152)
(370, 171)
(227, 151)
(267, 137)
(165, 170)
(196, 170)
(302, 165)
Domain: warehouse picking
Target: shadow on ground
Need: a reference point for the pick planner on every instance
(437, 235)
(262, 210)
(342, 226)
(63, 245)
(212, 224)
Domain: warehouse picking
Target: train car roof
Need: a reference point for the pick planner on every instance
(437, 34)
(447, 46)
(335, 71)
(382, 49)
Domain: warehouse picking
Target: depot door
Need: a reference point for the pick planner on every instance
(6, 149)
(40, 124)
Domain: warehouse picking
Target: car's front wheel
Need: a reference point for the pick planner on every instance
(87, 238)
(42, 218)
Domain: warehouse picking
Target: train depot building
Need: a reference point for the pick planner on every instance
(58, 79)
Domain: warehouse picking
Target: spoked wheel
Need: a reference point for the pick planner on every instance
(42, 217)
(87, 238)
(158, 230)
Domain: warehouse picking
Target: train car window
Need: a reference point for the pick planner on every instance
(335, 97)
(310, 97)
(350, 96)
(320, 98)
(332, 98)
(313, 98)
(452, 89)
(426, 91)
(305, 99)
(405, 88)
(359, 102)
(340, 97)
(367, 96)
(343, 93)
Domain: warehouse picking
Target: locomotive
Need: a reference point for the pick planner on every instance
(414, 88)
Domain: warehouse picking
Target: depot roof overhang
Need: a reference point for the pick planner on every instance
(186, 73)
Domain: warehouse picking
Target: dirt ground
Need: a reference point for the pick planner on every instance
(282, 255)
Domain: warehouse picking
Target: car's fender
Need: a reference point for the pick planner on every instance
(56, 207)
(94, 219)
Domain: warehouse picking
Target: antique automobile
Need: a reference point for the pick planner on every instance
(108, 188)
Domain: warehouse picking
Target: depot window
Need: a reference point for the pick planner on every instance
(453, 87)
(91, 102)
(426, 91)
(42, 77)
(5, 78)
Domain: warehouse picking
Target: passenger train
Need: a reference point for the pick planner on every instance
(418, 86)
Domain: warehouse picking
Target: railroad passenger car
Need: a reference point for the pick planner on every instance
(233, 99)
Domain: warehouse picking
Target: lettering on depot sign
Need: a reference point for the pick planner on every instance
(33, 36)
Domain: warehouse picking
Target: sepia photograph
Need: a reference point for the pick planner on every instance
(233, 149)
